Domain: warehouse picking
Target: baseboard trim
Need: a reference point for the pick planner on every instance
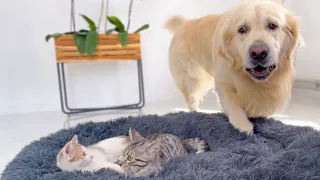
(310, 85)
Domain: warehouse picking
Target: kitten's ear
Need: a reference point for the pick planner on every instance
(74, 140)
(68, 148)
(71, 144)
(134, 135)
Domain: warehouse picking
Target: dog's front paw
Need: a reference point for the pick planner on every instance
(244, 126)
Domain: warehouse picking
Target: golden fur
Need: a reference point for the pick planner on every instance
(209, 51)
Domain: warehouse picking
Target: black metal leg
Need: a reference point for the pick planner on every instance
(64, 95)
(141, 86)
(62, 102)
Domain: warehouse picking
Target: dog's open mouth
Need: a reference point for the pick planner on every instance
(261, 73)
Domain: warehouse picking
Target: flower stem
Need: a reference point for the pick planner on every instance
(129, 17)
(106, 22)
(101, 14)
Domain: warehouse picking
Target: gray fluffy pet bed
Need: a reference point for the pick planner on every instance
(275, 151)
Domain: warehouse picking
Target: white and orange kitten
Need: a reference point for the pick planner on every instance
(104, 154)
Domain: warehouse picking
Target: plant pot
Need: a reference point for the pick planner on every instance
(108, 48)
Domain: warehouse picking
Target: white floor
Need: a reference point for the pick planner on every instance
(18, 130)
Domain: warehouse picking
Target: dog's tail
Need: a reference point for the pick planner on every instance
(174, 23)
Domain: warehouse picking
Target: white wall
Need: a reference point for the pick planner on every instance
(28, 70)
(308, 59)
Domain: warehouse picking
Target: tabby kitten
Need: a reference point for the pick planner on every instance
(146, 156)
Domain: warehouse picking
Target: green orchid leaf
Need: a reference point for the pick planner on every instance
(80, 41)
(92, 25)
(83, 32)
(117, 29)
(109, 31)
(144, 27)
(124, 38)
(116, 21)
(56, 35)
(91, 42)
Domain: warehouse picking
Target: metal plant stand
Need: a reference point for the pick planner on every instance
(69, 110)
(66, 53)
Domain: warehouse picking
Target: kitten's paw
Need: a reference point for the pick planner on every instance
(200, 151)
(115, 167)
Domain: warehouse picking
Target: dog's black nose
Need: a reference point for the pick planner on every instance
(259, 52)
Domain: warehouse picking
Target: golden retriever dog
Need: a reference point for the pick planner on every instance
(246, 54)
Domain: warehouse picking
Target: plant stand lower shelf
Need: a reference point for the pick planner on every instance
(108, 48)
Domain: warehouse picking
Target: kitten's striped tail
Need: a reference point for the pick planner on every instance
(196, 144)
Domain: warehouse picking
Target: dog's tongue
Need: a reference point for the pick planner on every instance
(260, 73)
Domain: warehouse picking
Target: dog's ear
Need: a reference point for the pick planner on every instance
(292, 30)
(301, 42)
(224, 46)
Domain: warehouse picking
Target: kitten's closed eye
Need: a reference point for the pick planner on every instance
(83, 154)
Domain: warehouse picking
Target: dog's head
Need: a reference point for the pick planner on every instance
(258, 36)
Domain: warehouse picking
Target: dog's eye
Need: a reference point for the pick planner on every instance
(272, 26)
(243, 30)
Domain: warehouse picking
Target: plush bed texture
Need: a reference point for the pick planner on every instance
(274, 151)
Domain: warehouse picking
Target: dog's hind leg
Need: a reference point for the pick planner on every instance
(179, 79)
(198, 83)
(197, 89)
(193, 88)
(185, 93)
(190, 78)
